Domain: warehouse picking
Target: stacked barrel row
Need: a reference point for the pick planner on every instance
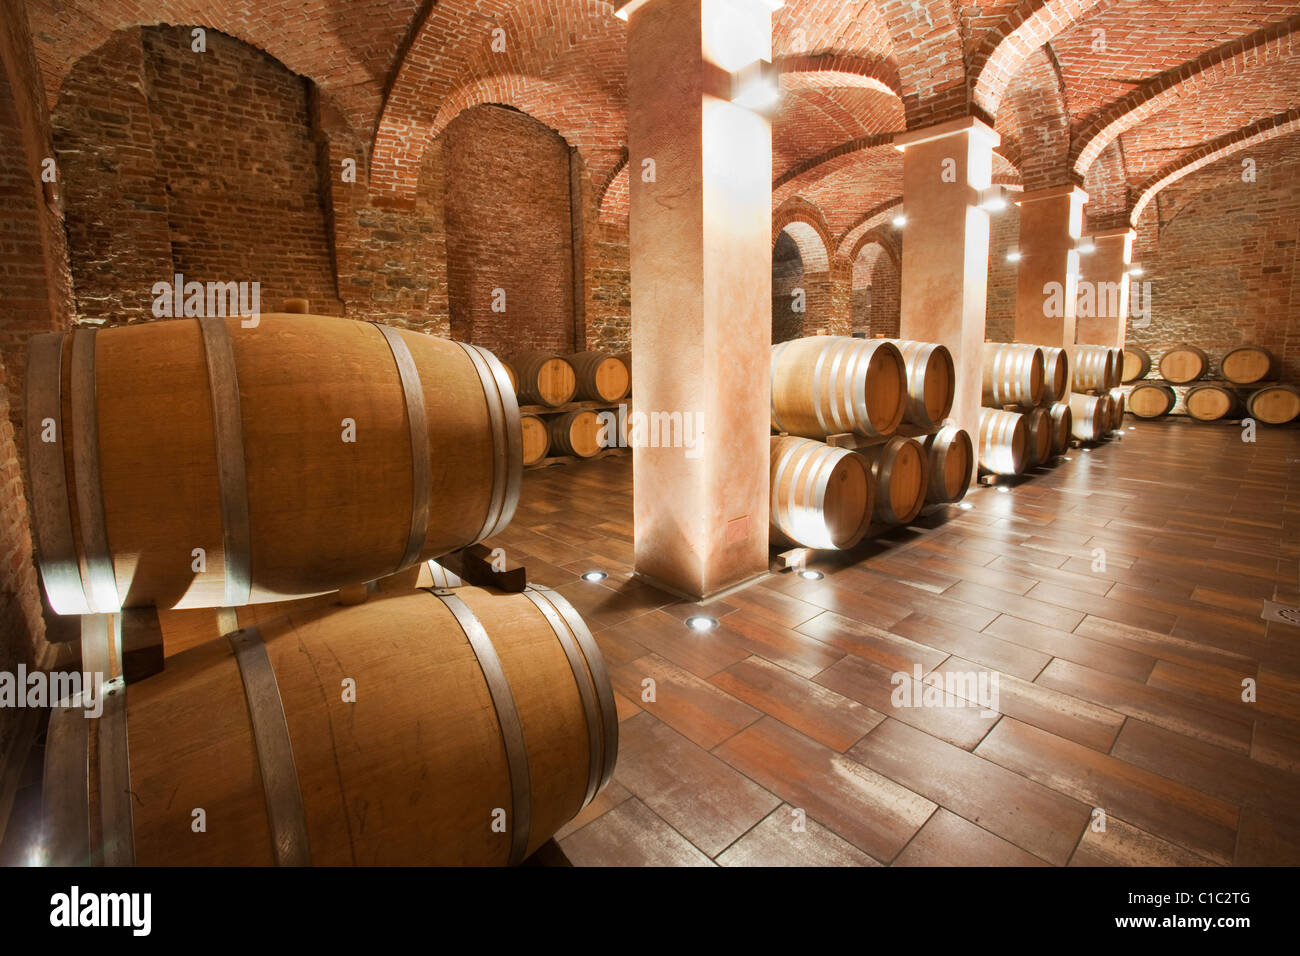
(861, 442)
(1098, 401)
(1027, 416)
(560, 398)
(1183, 385)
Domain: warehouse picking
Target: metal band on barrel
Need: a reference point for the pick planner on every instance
(51, 514)
(115, 777)
(507, 440)
(421, 464)
(65, 825)
(512, 729)
(284, 807)
(232, 476)
(586, 690)
(599, 676)
(99, 582)
(771, 376)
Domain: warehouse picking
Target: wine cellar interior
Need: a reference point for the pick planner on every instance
(652, 433)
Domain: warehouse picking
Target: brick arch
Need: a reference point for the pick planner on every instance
(832, 69)
(813, 250)
(873, 217)
(569, 49)
(931, 58)
(1281, 125)
(1000, 57)
(882, 235)
(827, 162)
(614, 197)
(1235, 59)
(1034, 123)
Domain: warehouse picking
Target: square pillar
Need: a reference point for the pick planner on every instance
(1104, 289)
(701, 264)
(946, 249)
(1047, 280)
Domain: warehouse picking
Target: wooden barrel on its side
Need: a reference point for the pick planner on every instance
(1013, 374)
(1184, 364)
(576, 433)
(1094, 368)
(1151, 400)
(930, 382)
(1004, 442)
(1062, 426)
(1275, 405)
(521, 734)
(601, 377)
(1117, 404)
(1056, 375)
(202, 463)
(1116, 368)
(536, 438)
(544, 378)
(829, 384)
(900, 472)
(626, 359)
(510, 374)
(1038, 431)
(821, 497)
(1137, 364)
(950, 461)
(1247, 364)
(1210, 403)
(1090, 415)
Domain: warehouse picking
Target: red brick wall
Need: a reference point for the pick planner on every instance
(1004, 235)
(508, 227)
(1223, 269)
(609, 286)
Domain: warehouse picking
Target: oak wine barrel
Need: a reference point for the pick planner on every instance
(950, 462)
(601, 377)
(1137, 364)
(930, 382)
(1210, 403)
(1038, 434)
(1062, 426)
(900, 473)
(1004, 442)
(1184, 364)
(1117, 403)
(821, 497)
(536, 438)
(257, 728)
(1056, 374)
(1116, 368)
(510, 374)
(1094, 368)
(1247, 364)
(1151, 400)
(201, 463)
(626, 359)
(1274, 405)
(576, 433)
(829, 384)
(1090, 416)
(544, 378)
(1013, 374)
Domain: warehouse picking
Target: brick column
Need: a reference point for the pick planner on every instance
(701, 260)
(1047, 278)
(1105, 270)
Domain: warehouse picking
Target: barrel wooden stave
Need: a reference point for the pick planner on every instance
(1210, 403)
(1151, 400)
(825, 385)
(950, 462)
(1038, 432)
(900, 473)
(1062, 426)
(1247, 364)
(536, 438)
(1094, 368)
(398, 776)
(1184, 364)
(544, 378)
(931, 381)
(1274, 405)
(821, 497)
(1090, 416)
(1003, 442)
(1137, 364)
(576, 433)
(600, 377)
(1013, 374)
(1056, 374)
(1118, 403)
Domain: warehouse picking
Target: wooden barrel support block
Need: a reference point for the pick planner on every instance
(522, 731)
(821, 497)
(184, 450)
(931, 381)
(951, 459)
(544, 378)
(1247, 364)
(1137, 364)
(1275, 405)
(1013, 374)
(900, 473)
(1003, 444)
(827, 384)
(1184, 364)
(1151, 400)
(601, 377)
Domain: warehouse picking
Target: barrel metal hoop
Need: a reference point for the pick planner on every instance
(599, 676)
(232, 475)
(100, 583)
(507, 439)
(512, 728)
(421, 460)
(586, 690)
(115, 777)
(65, 825)
(51, 513)
(284, 807)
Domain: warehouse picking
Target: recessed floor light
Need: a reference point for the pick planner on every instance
(1003, 490)
(595, 576)
(811, 575)
(701, 622)
(965, 506)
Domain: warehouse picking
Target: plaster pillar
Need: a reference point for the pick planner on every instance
(1047, 277)
(1105, 289)
(946, 249)
(701, 263)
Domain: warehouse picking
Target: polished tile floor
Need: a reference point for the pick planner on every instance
(1144, 711)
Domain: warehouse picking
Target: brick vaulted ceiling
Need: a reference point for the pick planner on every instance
(1123, 96)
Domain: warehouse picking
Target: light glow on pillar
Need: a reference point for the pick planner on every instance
(899, 221)
(1014, 255)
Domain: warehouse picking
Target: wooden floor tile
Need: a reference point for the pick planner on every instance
(631, 835)
(871, 643)
(948, 840)
(691, 706)
(777, 842)
(1122, 844)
